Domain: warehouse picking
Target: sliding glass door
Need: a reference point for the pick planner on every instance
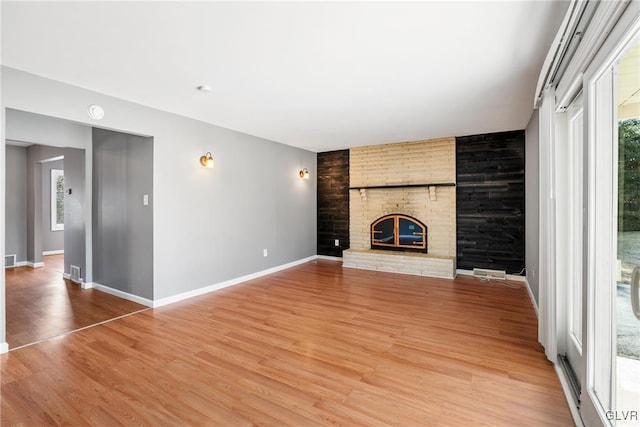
(612, 392)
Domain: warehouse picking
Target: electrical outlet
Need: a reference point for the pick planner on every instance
(533, 273)
(264, 252)
(336, 243)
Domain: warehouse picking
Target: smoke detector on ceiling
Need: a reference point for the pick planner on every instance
(96, 112)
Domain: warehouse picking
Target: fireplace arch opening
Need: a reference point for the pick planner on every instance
(399, 232)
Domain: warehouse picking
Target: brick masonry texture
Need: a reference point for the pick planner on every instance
(400, 262)
(420, 162)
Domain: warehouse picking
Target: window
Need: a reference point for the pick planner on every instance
(57, 199)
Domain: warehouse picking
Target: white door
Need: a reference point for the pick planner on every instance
(612, 373)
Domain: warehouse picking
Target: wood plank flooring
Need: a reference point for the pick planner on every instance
(41, 304)
(313, 345)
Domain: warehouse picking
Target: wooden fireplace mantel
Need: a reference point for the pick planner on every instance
(437, 184)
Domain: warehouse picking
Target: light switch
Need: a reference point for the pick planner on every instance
(145, 200)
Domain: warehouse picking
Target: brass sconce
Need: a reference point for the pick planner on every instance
(304, 173)
(207, 160)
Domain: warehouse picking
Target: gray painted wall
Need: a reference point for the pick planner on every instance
(210, 225)
(50, 131)
(74, 210)
(51, 240)
(123, 226)
(532, 203)
(35, 154)
(16, 202)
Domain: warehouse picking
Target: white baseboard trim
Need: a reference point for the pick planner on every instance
(533, 299)
(17, 264)
(35, 264)
(215, 287)
(4, 347)
(516, 278)
(119, 293)
(56, 252)
(513, 277)
(564, 383)
(329, 258)
(81, 282)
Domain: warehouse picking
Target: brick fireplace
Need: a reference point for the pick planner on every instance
(415, 179)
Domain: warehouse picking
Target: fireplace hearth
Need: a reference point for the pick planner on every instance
(399, 232)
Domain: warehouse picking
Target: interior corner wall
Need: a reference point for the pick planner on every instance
(210, 225)
(532, 202)
(490, 192)
(333, 202)
(16, 202)
(52, 240)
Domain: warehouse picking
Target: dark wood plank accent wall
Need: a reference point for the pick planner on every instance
(333, 202)
(490, 201)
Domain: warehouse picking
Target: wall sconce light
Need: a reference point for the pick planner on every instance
(304, 173)
(207, 160)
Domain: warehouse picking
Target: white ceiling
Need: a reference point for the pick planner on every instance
(320, 76)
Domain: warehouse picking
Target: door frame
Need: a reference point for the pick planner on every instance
(601, 143)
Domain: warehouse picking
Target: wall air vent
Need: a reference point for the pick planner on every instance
(486, 274)
(10, 261)
(75, 274)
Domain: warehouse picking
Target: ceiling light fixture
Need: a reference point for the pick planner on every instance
(96, 112)
(207, 160)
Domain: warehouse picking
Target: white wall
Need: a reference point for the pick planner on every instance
(532, 203)
(209, 225)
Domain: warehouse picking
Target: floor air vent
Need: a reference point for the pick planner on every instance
(75, 274)
(10, 261)
(486, 274)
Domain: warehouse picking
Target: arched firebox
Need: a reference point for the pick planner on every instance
(398, 232)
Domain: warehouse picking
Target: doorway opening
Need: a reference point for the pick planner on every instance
(49, 209)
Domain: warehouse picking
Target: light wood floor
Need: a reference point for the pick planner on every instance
(312, 345)
(41, 304)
